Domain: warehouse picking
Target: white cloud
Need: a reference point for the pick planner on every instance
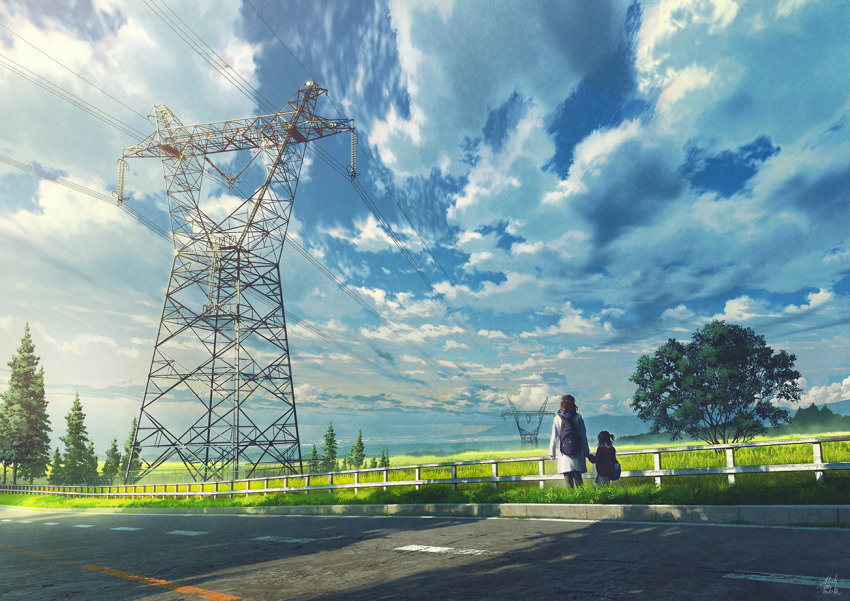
(741, 309)
(816, 299)
(823, 395)
(572, 321)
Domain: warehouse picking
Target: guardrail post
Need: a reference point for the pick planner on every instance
(331, 481)
(495, 474)
(454, 477)
(386, 476)
(730, 462)
(418, 476)
(817, 457)
(266, 487)
(542, 470)
(656, 464)
(356, 480)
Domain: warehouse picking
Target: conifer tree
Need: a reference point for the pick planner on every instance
(75, 461)
(356, 455)
(134, 461)
(374, 463)
(330, 450)
(25, 424)
(92, 476)
(313, 464)
(55, 476)
(112, 463)
(385, 458)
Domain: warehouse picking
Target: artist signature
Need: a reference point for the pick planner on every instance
(829, 586)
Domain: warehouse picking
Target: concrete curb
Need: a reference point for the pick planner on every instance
(779, 515)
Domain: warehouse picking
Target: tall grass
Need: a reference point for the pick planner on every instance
(766, 488)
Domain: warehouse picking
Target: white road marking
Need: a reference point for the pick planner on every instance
(84, 526)
(5, 520)
(25, 521)
(788, 579)
(51, 523)
(187, 532)
(125, 528)
(283, 539)
(451, 550)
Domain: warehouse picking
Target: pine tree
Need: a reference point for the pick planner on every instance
(374, 463)
(385, 458)
(356, 455)
(91, 472)
(26, 426)
(134, 461)
(329, 448)
(112, 464)
(313, 464)
(56, 476)
(75, 460)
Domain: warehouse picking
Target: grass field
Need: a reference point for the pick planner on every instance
(767, 488)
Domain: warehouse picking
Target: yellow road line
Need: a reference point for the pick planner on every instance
(166, 584)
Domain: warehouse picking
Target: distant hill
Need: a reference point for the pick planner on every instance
(841, 407)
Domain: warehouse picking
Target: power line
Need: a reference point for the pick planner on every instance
(370, 204)
(37, 49)
(67, 96)
(299, 321)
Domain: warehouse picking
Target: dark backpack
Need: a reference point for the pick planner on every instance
(570, 443)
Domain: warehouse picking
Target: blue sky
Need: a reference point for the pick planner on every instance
(578, 181)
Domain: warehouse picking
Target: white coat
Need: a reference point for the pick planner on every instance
(569, 463)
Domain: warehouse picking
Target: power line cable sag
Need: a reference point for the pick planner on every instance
(117, 123)
(389, 191)
(299, 321)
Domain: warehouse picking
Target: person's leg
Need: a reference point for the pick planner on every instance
(573, 479)
(579, 481)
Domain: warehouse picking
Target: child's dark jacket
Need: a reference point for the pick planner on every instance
(604, 458)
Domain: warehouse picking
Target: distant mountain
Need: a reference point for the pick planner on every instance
(618, 425)
(841, 407)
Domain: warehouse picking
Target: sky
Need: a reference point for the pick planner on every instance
(575, 184)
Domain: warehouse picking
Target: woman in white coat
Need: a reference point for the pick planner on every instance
(571, 466)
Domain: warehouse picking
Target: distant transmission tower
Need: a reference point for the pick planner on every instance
(220, 373)
(533, 419)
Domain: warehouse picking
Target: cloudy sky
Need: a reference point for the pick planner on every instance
(574, 182)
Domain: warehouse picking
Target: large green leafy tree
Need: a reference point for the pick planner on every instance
(24, 424)
(329, 450)
(76, 461)
(717, 388)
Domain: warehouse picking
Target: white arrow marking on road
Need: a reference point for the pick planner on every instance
(282, 539)
(787, 579)
(452, 550)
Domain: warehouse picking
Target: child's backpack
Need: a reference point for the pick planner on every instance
(570, 443)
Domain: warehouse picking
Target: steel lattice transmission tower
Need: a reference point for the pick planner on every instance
(222, 346)
(533, 419)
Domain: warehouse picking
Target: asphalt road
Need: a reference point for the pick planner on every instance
(116, 557)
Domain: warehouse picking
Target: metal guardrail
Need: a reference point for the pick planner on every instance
(380, 477)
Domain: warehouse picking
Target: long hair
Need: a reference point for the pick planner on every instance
(568, 403)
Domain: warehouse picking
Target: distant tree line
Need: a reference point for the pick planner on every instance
(354, 459)
(25, 432)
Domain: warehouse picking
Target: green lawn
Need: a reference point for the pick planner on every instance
(776, 488)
